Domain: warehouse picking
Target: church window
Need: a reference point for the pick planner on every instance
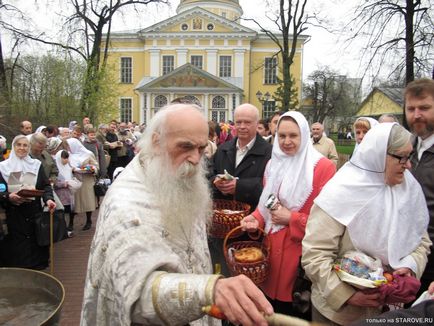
(192, 99)
(168, 63)
(270, 70)
(218, 102)
(125, 110)
(268, 109)
(126, 70)
(210, 27)
(197, 61)
(160, 101)
(184, 27)
(225, 66)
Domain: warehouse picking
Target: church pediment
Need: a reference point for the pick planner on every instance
(189, 77)
(196, 20)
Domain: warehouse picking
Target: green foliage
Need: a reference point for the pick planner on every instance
(46, 89)
(291, 97)
(102, 98)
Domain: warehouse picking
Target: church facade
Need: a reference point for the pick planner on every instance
(204, 54)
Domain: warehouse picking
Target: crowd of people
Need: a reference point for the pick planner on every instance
(152, 260)
(65, 163)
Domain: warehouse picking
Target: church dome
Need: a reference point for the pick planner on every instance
(229, 9)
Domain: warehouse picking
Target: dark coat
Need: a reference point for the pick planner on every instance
(111, 137)
(19, 248)
(423, 172)
(97, 149)
(250, 170)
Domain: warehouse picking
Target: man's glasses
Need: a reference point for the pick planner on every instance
(402, 159)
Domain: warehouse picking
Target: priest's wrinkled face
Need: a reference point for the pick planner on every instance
(396, 163)
(185, 137)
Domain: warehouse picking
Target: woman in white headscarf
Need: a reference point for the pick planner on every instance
(85, 167)
(361, 126)
(19, 248)
(373, 205)
(295, 175)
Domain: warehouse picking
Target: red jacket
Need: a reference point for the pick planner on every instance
(286, 243)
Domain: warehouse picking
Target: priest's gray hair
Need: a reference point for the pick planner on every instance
(157, 125)
(398, 138)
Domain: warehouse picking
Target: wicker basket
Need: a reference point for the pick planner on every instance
(222, 222)
(257, 271)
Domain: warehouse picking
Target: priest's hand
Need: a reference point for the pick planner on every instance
(241, 301)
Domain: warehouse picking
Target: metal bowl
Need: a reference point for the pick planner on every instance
(29, 297)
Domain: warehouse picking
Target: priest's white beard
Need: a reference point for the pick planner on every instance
(183, 195)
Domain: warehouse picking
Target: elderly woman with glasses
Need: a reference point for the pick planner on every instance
(375, 206)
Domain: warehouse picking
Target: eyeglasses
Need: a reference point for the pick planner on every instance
(402, 159)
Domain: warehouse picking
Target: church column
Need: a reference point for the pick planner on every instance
(142, 107)
(211, 59)
(181, 57)
(239, 65)
(148, 107)
(155, 62)
(206, 105)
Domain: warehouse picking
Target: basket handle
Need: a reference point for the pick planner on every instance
(225, 249)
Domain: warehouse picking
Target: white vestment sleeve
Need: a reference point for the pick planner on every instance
(174, 299)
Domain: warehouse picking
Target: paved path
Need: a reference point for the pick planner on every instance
(70, 264)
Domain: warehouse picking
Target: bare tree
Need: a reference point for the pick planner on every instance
(398, 35)
(90, 24)
(332, 95)
(94, 16)
(290, 19)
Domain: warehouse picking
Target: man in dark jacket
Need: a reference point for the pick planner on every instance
(244, 157)
(419, 112)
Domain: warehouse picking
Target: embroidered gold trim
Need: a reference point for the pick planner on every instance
(155, 295)
(182, 286)
(209, 289)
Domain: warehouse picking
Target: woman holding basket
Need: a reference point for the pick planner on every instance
(293, 178)
(375, 206)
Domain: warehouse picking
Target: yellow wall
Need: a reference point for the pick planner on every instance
(378, 104)
(253, 63)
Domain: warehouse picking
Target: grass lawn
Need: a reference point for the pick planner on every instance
(345, 149)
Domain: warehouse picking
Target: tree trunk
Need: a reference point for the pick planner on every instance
(4, 91)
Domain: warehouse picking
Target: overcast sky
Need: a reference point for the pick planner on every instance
(323, 48)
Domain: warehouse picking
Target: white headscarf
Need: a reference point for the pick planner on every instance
(383, 221)
(40, 128)
(78, 153)
(65, 170)
(16, 164)
(289, 177)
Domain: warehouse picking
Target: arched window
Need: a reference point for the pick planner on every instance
(218, 102)
(192, 99)
(160, 101)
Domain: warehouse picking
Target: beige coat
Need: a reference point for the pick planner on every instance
(326, 147)
(84, 198)
(326, 240)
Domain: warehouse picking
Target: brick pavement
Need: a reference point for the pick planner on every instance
(70, 265)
